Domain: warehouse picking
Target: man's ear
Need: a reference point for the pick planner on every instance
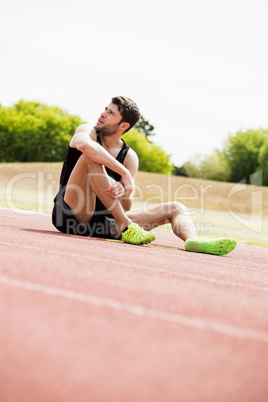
(124, 125)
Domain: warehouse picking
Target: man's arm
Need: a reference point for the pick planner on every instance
(84, 140)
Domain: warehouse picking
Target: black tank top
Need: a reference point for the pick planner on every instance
(72, 157)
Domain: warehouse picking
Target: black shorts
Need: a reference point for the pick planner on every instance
(100, 224)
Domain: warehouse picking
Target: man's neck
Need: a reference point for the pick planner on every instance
(110, 141)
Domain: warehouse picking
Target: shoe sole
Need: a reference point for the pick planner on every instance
(147, 240)
(216, 247)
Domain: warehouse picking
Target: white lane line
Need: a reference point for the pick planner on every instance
(198, 323)
(124, 264)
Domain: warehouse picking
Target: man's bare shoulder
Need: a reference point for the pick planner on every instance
(131, 162)
(84, 128)
(82, 133)
(131, 155)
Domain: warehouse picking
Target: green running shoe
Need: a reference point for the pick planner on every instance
(210, 246)
(137, 235)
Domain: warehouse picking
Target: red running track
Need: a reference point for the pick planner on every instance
(91, 320)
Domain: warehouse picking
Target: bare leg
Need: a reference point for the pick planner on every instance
(182, 225)
(170, 212)
(88, 180)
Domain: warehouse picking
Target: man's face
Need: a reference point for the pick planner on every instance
(109, 120)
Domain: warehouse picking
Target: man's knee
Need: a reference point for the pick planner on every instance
(89, 163)
(84, 159)
(180, 208)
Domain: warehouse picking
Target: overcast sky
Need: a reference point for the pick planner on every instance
(198, 69)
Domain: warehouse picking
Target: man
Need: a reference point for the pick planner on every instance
(97, 188)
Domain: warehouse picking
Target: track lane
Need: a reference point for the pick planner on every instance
(170, 337)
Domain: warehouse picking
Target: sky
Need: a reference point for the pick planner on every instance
(198, 69)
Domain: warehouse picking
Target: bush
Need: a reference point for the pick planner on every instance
(244, 154)
(209, 167)
(152, 157)
(179, 171)
(263, 162)
(34, 132)
(241, 152)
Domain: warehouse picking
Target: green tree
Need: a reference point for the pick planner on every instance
(192, 167)
(152, 157)
(241, 152)
(209, 167)
(215, 167)
(31, 131)
(145, 127)
(179, 171)
(263, 162)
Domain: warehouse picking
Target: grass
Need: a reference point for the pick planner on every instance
(218, 209)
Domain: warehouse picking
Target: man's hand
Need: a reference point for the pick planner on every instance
(121, 189)
(116, 190)
(128, 182)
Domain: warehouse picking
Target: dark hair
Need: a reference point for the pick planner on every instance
(128, 109)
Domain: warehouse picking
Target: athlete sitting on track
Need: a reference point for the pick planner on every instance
(97, 188)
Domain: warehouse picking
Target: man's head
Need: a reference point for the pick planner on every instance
(120, 115)
(128, 109)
